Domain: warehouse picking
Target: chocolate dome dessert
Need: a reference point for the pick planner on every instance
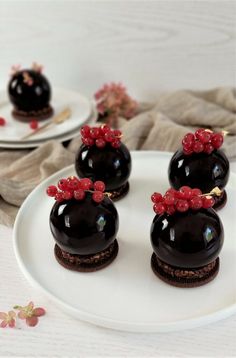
(200, 163)
(102, 156)
(187, 236)
(84, 223)
(30, 93)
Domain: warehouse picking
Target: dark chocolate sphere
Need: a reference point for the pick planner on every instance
(111, 165)
(31, 96)
(188, 240)
(84, 227)
(199, 170)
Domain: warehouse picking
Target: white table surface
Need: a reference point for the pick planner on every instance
(60, 335)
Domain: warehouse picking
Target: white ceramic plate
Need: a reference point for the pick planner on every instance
(61, 98)
(28, 144)
(33, 144)
(126, 295)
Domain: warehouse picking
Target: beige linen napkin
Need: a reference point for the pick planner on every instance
(158, 126)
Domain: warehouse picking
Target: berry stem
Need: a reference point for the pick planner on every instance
(214, 192)
(105, 193)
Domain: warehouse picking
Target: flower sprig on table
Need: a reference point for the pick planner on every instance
(28, 313)
(113, 101)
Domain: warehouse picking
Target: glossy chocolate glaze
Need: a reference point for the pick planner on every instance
(187, 240)
(26, 97)
(84, 227)
(199, 170)
(111, 165)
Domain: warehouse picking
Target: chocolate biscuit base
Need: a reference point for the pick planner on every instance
(181, 277)
(40, 115)
(119, 193)
(220, 201)
(87, 263)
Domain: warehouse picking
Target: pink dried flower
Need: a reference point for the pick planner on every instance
(113, 101)
(27, 78)
(15, 69)
(8, 319)
(37, 67)
(30, 314)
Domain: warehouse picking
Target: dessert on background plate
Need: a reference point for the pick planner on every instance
(30, 94)
(103, 156)
(84, 223)
(187, 236)
(201, 163)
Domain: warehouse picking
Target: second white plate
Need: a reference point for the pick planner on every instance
(14, 130)
(126, 295)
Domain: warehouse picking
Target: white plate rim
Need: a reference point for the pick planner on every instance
(35, 144)
(104, 321)
(32, 143)
(60, 138)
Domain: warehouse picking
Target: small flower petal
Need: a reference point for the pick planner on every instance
(12, 323)
(3, 315)
(3, 324)
(11, 314)
(39, 311)
(31, 305)
(32, 321)
(22, 315)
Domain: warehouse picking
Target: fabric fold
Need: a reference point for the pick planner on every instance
(160, 125)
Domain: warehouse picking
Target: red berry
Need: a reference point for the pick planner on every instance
(99, 186)
(105, 129)
(86, 183)
(156, 198)
(198, 147)
(187, 151)
(187, 146)
(196, 203)
(182, 205)
(34, 124)
(217, 140)
(199, 132)
(204, 136)
(188, 139)
(185, 192)
(52, 190)
(67, 195)
(171, 191)
(170, 209)
(169, 199)
(59, 197)
(2, 122)
(94, 132)
(98, 196)
(88, 141)
(207, 202)
(115, 143)
(108, 136)
(85, 131)
(208, 148)
(79, 194)
(159, 208)
(73, 183)
(196, 192)
(62, 184)
(100, 143)
(117, 133)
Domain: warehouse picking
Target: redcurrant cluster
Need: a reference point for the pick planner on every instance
(73, 187)
(181, 200)
(100, 136)
(203, 140)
